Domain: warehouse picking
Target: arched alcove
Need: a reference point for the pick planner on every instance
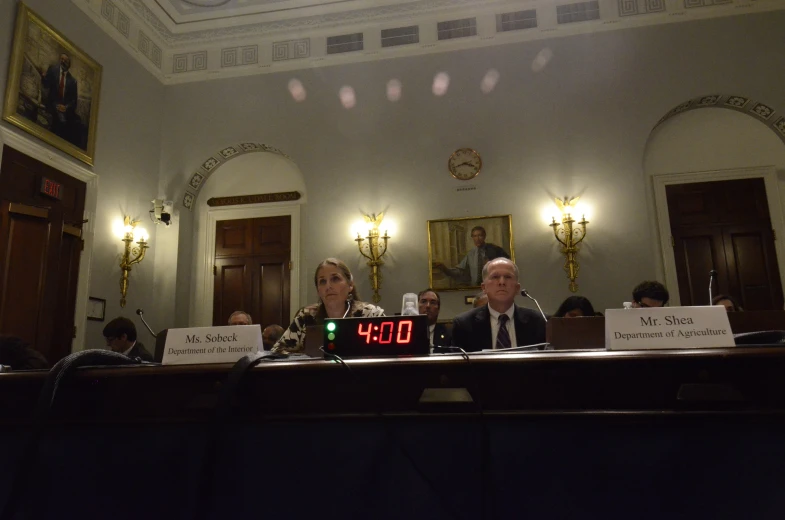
(714, 144)
(244, 174)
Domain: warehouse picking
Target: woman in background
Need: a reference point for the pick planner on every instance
(727, 301)
(337, 299)
(575, 307)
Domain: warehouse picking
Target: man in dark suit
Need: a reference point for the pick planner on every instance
(429, 304)
(501, 323)
(120, 334)
(62, 97)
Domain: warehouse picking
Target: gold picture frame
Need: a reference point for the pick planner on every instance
(455, 255)
(60, 109)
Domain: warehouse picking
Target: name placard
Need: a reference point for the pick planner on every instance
(211, 344)
(667, 328)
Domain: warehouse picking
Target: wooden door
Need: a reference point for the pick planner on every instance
(40, 247)
(252, 273)
(724, 226)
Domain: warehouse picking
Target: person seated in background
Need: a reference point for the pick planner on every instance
(480, 299)
(430, 303)
(729, 302)
(240, 318)
(337, 298)
(575, 307)
(649, 294)
(501, 323)
(270, 335)
(17, 354)
(120, 335)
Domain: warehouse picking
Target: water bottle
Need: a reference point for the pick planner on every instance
(409, 305)
(627, 305)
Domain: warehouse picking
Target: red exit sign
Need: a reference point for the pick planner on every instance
(51, 188)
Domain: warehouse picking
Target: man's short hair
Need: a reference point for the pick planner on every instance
(438, 298)
(478, 228)
(119, 326)
(499, 259)
(237, 313)
(650, 289)
(276, 331)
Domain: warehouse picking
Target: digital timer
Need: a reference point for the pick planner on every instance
(378, 336)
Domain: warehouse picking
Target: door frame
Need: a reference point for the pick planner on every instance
(41, 153)
(660, 182)
(201, 314)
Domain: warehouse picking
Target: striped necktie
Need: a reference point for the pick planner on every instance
(503, 336)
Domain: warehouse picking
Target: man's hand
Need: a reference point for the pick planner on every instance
(439, 265)
(62, 108)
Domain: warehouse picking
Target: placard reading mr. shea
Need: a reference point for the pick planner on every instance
(667, 328)
(211, 344)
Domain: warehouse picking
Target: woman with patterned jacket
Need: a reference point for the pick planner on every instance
(337, 298)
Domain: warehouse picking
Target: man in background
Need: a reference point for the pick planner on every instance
(429, 303)
(270, 335)
(62, 97)
(120, 335)
(471, 265)
(480, 299)
(240, 318)
(649, 294)
(501, 323)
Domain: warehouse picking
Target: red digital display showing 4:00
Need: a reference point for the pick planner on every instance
(377, 336)
(384, 332)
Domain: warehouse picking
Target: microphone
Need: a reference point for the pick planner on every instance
(140, 312)
(712, 277)
(526, 294)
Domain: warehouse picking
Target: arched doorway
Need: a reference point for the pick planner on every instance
(700, 148)
(244, 174)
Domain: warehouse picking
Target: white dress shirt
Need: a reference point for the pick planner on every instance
(430, 332)
(510, 325)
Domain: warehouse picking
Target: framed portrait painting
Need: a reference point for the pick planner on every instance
(458, 248)
(53, 87)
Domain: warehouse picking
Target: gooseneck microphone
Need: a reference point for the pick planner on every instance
(529, 296)
(140, 312)
(712, 277)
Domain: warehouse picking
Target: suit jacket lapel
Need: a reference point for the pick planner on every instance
(482, 328)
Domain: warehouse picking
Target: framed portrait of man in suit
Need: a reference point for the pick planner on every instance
(53, 87)
(458, 248)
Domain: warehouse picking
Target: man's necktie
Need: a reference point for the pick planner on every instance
(62, 85)
(503, 336)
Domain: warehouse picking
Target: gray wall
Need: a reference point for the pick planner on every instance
(579, 126)
(127, 152)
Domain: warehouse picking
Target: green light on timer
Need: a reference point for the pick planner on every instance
(331, 328)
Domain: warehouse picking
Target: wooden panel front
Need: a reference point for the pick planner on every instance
(23, 271)
(233, 288)
(233, 237)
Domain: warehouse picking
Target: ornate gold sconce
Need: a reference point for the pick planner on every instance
(569, 237)
(131, 255)
(373, 251)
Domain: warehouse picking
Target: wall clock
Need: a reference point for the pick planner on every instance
(464, 164)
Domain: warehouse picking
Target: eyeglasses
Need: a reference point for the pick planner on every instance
(435, 303)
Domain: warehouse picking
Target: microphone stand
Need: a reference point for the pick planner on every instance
(529, 296)
(712, 275)
(140, 312)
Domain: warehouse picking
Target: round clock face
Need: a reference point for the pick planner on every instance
(464, 164)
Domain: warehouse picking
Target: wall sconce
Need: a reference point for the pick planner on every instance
(131, 232)
(569, 237)
(373, 251)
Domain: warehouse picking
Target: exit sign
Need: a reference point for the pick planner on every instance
(51, 188)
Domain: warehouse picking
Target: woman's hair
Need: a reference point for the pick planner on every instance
(16, 353)
(575, 302)
(320, 312)
(717, 299)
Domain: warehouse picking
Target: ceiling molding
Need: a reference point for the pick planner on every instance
(230, 46)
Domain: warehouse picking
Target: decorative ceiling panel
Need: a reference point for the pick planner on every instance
(195, 40)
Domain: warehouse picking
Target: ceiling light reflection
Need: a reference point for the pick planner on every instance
(542, 59)
(441, 82)
(348, 99)
(297, 90)
(394, 89)
(489, 81)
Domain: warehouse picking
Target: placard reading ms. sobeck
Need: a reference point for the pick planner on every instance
(211, 344)
(667, 328)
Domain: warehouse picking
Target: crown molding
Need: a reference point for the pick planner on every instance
(175, 54)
